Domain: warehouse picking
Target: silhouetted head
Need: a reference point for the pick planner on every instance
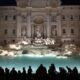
(23, 68)
(29, 67)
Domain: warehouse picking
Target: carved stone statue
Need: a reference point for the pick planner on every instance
(23, 33)
(38, 33)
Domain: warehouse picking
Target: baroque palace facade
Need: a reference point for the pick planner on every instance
(40, 18)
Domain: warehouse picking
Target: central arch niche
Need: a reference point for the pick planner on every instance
(38, 27)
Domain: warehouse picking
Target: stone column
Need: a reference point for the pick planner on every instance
(29, 3)
(59, 26)
(32, 30)
(18, 32)
(59, 30)
(45, 30)
(29, 25)
(48, 25)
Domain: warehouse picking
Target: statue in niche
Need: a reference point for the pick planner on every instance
(24, 17)
(23, 32)
(38, 36)
(53, 31)
(38, 33)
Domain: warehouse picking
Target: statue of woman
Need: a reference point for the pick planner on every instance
(38, 33)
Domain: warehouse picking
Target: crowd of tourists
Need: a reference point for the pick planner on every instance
(40, 74)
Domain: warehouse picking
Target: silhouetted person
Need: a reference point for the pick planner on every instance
(19, 75)
(1, 73)
(41, 73)
(75, 74)
(24, 74)
(30, 77)
(29, 70)
(13, 74)
(70, 73)
(7, 74)
(62, 74)
(69, 70)
(52, 72)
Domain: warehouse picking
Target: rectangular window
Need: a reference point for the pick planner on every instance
(6, 18)
(79, 30)
(79, 17)
(14, 31)
(71, 17)
(64, 31)
(14, 17)
(5, 41)
(63, 17)
(72, 31)
(13, 41)
(5, 31)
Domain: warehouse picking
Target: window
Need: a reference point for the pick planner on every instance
(14, 31)
(71, 17)
(14, 17)
(5, 31)
(79, 17)
(13, 41)
(73, 41)
(5, 41)
(63, 17)
(6, 18)
(72, 31)
(64, 31)
(79, 30)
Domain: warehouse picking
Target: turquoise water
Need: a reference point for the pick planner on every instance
(26, 61)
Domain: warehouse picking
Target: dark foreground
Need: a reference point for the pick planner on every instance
(40, 74)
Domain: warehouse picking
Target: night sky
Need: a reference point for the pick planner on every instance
(64, 2)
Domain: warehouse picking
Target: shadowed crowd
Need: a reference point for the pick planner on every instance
(40, 74)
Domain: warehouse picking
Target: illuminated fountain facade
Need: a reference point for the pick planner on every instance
(39, 21)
